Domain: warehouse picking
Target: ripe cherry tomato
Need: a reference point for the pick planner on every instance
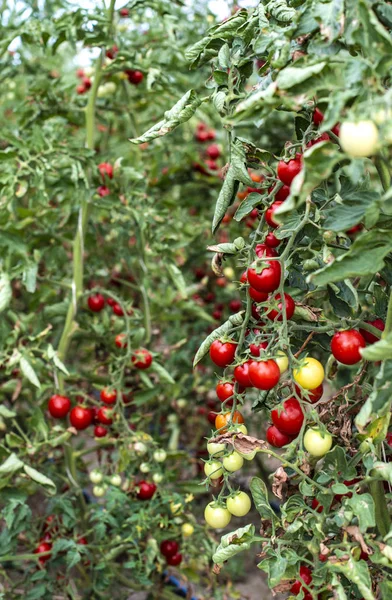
(272, 241)
(43, 547)
(257, 296)
(265, 279)
(233, 462)
(317, 506)
(134, 77)
(174, 560)
(108, 396)
(142, 359)
(288, 419)
(59, 406)
(105, 169)
(146, 490)
(169, 547)
(310, 374)
(287, 171)
(359, 139)
(258, 349)
(217, 515)
(213, 151)
(80, 417)
(264, 375)
(241, 374)
(313, 395)
(324, 137)
(96, 303)
(317, 443)
(100, 431)
(117, 310)
(238, 504)
(277, 438)
(318, 116)
(281, 194)
(264, 250)
(269, 213)
(120, 340)
(346, 345)
(306, 575)
(276, 314)
(224, 390)
(223, 419)
(110, 302)
(222, 353)
(369, 337)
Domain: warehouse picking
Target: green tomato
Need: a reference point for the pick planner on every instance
(282, 361)
(145, 467)
(216, 515)
(240, 427)
(160, 455)
(95, 476)
(157, 477)
(116, 480)
(239, 504)
(249, 456)
(213, 469)
(359, 139)
(187, 529)
(140, 448)
(216, 450)
(182, 403)
(233, 462)
(317, 443)
(99, 491)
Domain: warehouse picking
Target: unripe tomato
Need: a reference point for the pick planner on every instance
(287, 171)
(116, 480)
(104, 415)
(43, 547)
(241, 374)
(369, 337)
(222, 353)
(276, 313)
(216, 515)
(144, 467)
(346, 346)
(264, 375)
(108, 396)
(272, 241)
(240, 428)
(59, 406)
(157, 477)
(269, 213)
(216, 450)
(100, 431)
(313, 395)
(233, 462)
(262, 250)
(265, 279)
(160, 455)
(140, 448)
(95, 476)
(146, 490)
(96, 303)
(310, 374)
(282, 361)
(213, 469)
(174, 560)
(223, 419)
(141, 359)
(306, 575)
(277, 438)
(187, 529)
(359, 139)
(317, 443)
(121, 340)
(99, 491)
(257, 296)
(288, 418)
(239, 504)
(80, 417)
(169, 547)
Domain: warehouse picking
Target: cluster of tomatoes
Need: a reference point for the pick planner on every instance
(51, 530)
(170, 550)
(106, 171)
(211, 153)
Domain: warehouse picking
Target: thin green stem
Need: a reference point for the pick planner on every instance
(383, 173)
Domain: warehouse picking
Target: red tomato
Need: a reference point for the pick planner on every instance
(276, 314)
(269, 213)
(211, 416)
(346, 345)
(103, 191)
(306, 575)
(111, 52)
(217, 315)
(241, 374)
(142, 359)
(105, 169)
(43, 547)
(134, 77)
(123, 12)
(281, 194)
(317, 506)
(96, 303)
(222, 353)
(117, 310)
(318, 116)
(288, 418)
(369, 337)
(108, 396)
(314, 395)
(348, 483)
(211, 135)
(211, 164)
(257, 349)
(120, 340)
(388, 439)
(257, 296)
(213, 151)
(100, 431)
(268, 279)
(169, 547)
(324, 137)
(225, 390)
(277, 438)
(262, 250)
(59, 406)
(272, 241)
(201, 136)
(235, 305)
(146, 490)
(287, 171)
(110, 302)
(264, 375)
(80, 417)
(174, 560)
(104, 415)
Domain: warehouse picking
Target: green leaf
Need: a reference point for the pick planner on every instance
(52, 355)
(358, 573)
(29, 277)
(259, 493)
(363, 508)
(29, 372)
(245, 208)
(228, 248)
(291, 76)
(238, 163)
(330, 16)
(233, 321)
(10, 465)
(364, 257)
(343, 297)
(178, 279)
(225, 198)
(6, 413)
(180, 113)
(379, 401)
(161, 372)
(381, 350)
(280, 11)
(40, 478)
(233, 543)
(5, 291)
(350, 208)
(382, 470)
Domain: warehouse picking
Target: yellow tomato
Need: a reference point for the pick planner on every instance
(282, 361)
(187, 529)
(310, 374)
